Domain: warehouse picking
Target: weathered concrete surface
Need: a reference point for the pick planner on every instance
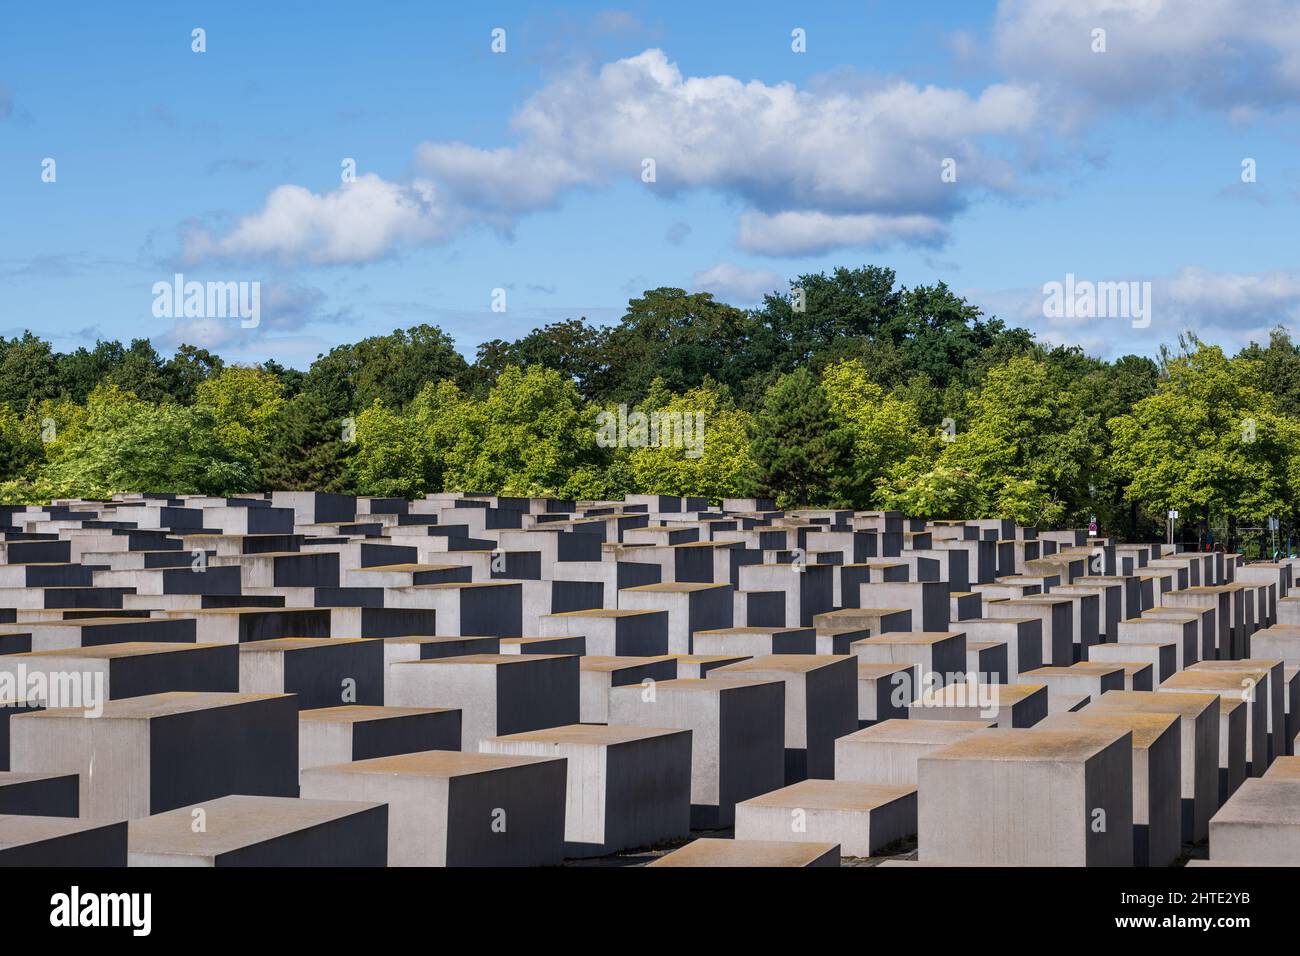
(1259, 825)
(627, 787)
(144, 755)
(1028, 797)
(239, 830)
(860, 817)
(1157, 778)
(61, 841)
(887, 753)
(821, 701)
(737, 736)
(457, 809)
(764, 853)
(330, 735)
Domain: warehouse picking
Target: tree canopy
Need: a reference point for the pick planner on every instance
(846, 389)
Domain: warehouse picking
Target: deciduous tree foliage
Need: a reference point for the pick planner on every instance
(124, 444)
(723, 467)
(837, 390)
(532, 435)
(886, 430)
(244, 403)
(1210, 442)
(393, 457)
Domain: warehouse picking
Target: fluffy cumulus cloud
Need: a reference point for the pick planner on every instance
(857, 167)
(1232, 308)
(1231, 300)
(1224, 54)
(358, 222)
(732, 283)
(808, 233)
(286, 310)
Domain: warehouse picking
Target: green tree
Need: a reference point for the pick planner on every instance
(185, 371)
(711, 457)
(572, 347)
(244, 402)
(392, 368)
(21, 444)
(1029, 445)
(308, 447)
(897, 332)
(1023, 449)
(683, 338)
(1279, 365)
(141, 373)
(936, 492)
(81, 370)
(392, 457)
(886, 429)
(131, 445)
(28, 370)
(1211, 442)
(532, 435)
(801, 451)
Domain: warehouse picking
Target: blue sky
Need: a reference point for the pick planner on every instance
(522, 170)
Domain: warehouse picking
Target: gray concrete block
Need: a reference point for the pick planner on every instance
(884, 691)
(144, 755)
(627, 787)
(61, 841)
(134, 669)
(1028, 798)
(495, 693)
(737, 736)
(1199, 724)
(1157, 777)
(38, 794)
(747, 853)
(1259, 825)
(821, 704)
(1006, 705)
(597, 675)
(330, 735)
(886, 753)
(861, 818)
(457, 809)
(322, 672)
(240, 830)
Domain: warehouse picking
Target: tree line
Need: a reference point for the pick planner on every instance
(847, 390)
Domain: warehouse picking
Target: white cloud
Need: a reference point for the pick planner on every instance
(1224, 54)
(1231, 300)
(356, 222)
(285, 308)
(731, 283)
(1228, 308)
(808, 233)
(868, 160)
(777, 147)
(212, 334)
